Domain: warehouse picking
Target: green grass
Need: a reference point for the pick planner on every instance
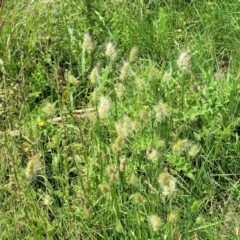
(114, 144)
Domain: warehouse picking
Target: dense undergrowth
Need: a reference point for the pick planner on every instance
(119, 119)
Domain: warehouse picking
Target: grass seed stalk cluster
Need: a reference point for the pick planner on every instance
(119, 120)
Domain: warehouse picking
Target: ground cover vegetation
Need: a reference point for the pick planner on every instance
(119, 119)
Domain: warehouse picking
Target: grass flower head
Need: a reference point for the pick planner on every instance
(87, 42)
(126, 127)
(47, 201)
(173, 216)
(133, 54)
(94, 75)
(152, 155)
(118, 144)
(133, 179)
(104, 188)
(125, 70)
(166, 77)
(33, 167)
(104, 107)
(181, 146)
(111, 51)
(183, 61)
(162, 111)
(155, 222)
(119, 89)
(194, 149)
(122, 164)
(138, 198)
(49, 109)
(167, 183)
(141, 84)
(95, 95)
(71, 79)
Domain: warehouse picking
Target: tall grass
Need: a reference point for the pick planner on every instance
(119, 120)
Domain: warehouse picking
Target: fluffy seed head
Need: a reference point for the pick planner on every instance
(113, 177)
(104, 107)
(95, 95)
(160, 144)
(162, 111)
(47, 201)
(126, 127)
(110, 170)
(94, 75)
(118, 144)
(183, 61)
(133, 179)
(104, 188)
(145, 113)
(181, 146)
(173, 217)
(138, 198)
(71, 79)
(141, 84)
(152, 155)
(122, 164)
(155, 222)
(125, 71)
(92, 117)
(167, 183)
(153, 73)
(111, 51)
(33, 167)
(133, 54)
(87, 42)
(119, 89)
(49, 109)
(193, 151)
(166, 77)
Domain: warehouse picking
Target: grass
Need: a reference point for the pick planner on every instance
(119, 120)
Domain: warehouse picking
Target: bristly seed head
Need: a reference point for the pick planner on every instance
(71, 79)
(111, 51)
(167, 183)
(87, 42)
(141, 84)
(138, 198)
(94, 75)
(95, 95)
(152, 155)
(119, 89)
(126, 127)
(49, 109)
(122, 164)
(125, 71)
(33, 167)
(104, 107)
(162, 111)
(155, 222)
(118, 144)
(183, 61)
(181, 146)
(104, 188)
(133, 54)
